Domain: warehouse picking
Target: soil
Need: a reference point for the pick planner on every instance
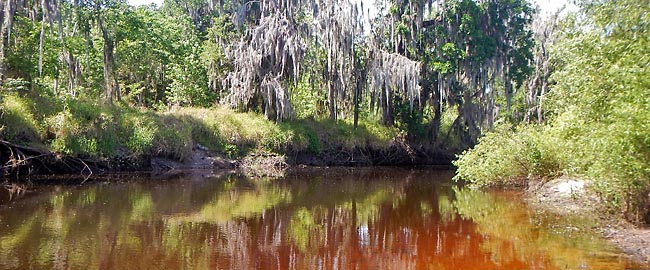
(631, 240)
(21, 160)
(567, 196)
(260, 164)
(200, 158)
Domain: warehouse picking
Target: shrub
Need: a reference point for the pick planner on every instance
(142, 137)
(511, 156)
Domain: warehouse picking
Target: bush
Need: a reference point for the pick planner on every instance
(142, 137)
(511, 156)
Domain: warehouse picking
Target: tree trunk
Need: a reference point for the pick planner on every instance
(331, 98)
(540, 111)
(41, 38)
(357, 92)
(110, 82)
(9, 10)
(387, 99)
(507, 81)
(66, 54)
(437, 116)
(468, 113)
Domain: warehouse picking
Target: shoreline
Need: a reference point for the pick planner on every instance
(257, 163)
(573, 197)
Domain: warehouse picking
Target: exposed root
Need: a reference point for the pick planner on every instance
(398, 154)
(19, 160)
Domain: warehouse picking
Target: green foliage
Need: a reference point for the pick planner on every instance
(75, 129)
(598, 113)
(142, 137)
(305, 100)
(410, 120)
(601, 102)
(17, 121)
(175, 140)
(447, 119)
(78, 145)
(328, 134)
(17, 85)
(189, 84)
(213, 55)
(231, 150)
(176, 55)
(506, 156)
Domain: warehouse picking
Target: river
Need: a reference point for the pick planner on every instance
(335, 218)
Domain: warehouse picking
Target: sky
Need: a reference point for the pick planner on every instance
(547, 6)
(144, 2)
(550, 6)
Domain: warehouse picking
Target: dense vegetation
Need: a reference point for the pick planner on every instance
(102, 78)
(594, 122)
(436, 72)
(90, 130)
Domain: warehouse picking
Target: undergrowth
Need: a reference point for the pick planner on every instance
(508, 156)
(89, 128)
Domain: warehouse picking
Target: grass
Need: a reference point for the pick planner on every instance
(91, 129)
(17, 121)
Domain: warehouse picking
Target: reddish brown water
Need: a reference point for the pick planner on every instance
(375, 218)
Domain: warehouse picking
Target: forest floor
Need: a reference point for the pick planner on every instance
(567, 196)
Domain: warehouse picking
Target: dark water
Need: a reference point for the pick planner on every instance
(376, 218)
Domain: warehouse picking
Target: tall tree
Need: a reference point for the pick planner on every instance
(108, 17)
(8, 9)
(539, 82)
(473, 53)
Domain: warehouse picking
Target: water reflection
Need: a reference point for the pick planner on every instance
(312, 219)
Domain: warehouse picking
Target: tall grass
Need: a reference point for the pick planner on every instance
(89, 128)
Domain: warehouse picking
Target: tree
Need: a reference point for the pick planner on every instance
(110, 17)
(470, 49)
(538, 84)
(600, 103)
(8, 9)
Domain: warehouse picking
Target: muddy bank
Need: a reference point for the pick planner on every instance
(395, 155)
(265, 163)
(20, 160)
(566, 196)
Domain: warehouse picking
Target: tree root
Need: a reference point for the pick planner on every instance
(19, 160)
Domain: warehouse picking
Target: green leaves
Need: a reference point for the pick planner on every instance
(598, 112)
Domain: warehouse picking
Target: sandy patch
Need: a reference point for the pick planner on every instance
(567, 196)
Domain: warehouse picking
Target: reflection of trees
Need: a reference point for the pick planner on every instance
(236, 204)
(103, 225)
(510, 235)
(334, 219)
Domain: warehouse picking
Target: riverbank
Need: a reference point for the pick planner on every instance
(47, 135)
(576, 197)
